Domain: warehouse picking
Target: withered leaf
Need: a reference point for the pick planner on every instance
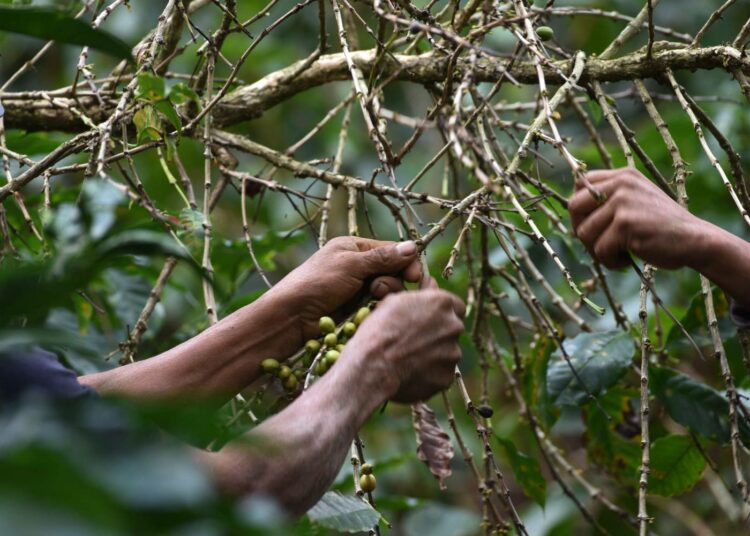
(434, 447)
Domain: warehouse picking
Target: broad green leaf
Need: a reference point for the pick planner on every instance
(57, 26)
(676, 465)
(526, 470)
(600, 360)
(440, 520)
(101, 199)
(612, 437)
(534, 382)
(343, 513)
(33, 143)
(694, 404)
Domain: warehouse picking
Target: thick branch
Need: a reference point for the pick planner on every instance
(251, 101)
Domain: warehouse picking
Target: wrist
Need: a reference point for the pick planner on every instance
(708, 246)
(365, 358)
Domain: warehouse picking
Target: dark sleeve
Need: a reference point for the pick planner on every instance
(23, 371)
(740, 315)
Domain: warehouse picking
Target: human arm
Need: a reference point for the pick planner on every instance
(225, 358)
(406, 350)
(637, 217)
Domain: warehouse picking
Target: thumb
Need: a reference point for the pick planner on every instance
(389, 259)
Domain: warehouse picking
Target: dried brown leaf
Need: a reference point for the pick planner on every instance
(434, 446)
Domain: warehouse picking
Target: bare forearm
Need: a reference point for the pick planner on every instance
(295, 455)
(216, 363)
(724, 259)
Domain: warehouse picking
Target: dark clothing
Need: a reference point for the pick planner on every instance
(740, 315)
(23, 371)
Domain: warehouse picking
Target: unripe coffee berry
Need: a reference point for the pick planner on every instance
(340, 348)
(321, 367)
(350, 328)
(290, 384)
(299, 373)
(366, 469)
(330, 340)
(545, 33)
(312, 346)
(327, 325)
(361, 315)
(269, 366)
(331, 357)
(367, 483)
(284, 372)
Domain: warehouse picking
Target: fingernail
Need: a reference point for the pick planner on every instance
(407, 249)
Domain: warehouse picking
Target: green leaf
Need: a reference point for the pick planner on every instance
(676, 465)
(600, 360)
(526, 470)
(694, 405)
(343, 513)
(55, 25)
(33, 143)
(182, 94)
(165, 108)
(147, 124)
(534, 382)
(150, 87)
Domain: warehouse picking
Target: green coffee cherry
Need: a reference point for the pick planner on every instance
(307, 360)
(284, 372)
(269, 366)
(350, 328)
(290, 383)
(361, 315)
(321, 367)
(367, 483)
(299, 373)
(340, 348)
(545, 33)
(331, 357)
(330, 340)
(366, 469)
(327, 325)
(312, 346)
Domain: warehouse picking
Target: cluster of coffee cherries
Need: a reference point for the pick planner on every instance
(322, 352)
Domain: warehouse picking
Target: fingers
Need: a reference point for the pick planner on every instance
(384, 285)
(391, 258)
(428, 283)
(590, 229)
(582, 203)
(599, 175)
(610, 250)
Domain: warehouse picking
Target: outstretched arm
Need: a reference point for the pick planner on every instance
(225, 358)
(405, 351)
(637, 217)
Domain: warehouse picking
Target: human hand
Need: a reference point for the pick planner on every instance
(338, 274)
(411, 342)
(635, 217)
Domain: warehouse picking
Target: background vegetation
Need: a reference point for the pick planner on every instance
(86, 238)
